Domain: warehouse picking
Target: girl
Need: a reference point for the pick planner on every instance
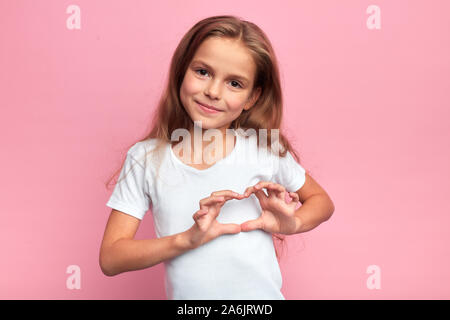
(213, 220)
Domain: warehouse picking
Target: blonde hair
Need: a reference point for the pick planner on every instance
(267, 111)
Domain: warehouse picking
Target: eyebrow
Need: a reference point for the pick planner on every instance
(231, 75)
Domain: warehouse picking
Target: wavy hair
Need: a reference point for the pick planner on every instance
(267, 111)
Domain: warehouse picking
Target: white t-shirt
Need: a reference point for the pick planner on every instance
(238, 266)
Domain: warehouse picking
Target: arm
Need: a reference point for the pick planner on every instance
(316, 207)
(119, 252)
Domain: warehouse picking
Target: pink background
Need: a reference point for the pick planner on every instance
(367, 109)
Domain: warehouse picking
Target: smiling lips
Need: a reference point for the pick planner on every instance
(208, 108)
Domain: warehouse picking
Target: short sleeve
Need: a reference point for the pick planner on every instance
(289, 173)
(131, 194)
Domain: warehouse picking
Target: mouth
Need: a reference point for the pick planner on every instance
(207, 108)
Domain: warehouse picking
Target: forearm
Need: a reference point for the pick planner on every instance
(313, 212)
(129, 254)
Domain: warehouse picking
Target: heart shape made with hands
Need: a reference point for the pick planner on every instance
(277, 216)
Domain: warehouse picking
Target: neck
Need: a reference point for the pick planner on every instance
(205, 146)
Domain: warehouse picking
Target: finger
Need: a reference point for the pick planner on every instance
(211, 201)
(228, 194)
(277, 189)
(294, 196)
(262, 184)
(197, 216)
(252, 225)
(229, 228)
(252, 189)
(200, 213)
(261, 195)
(248, 191)
(271, 191)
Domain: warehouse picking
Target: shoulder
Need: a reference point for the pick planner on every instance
(141, 150)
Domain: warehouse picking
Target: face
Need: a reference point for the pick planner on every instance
(221, 75)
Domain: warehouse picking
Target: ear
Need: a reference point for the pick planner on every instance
(253, 98)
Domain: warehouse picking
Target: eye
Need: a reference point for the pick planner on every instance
(198, 71)
(237, 84)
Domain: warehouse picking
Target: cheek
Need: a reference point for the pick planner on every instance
(236, 102)
(190, 85)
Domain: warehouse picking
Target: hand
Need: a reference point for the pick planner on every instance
(206, 227)
(277, 216)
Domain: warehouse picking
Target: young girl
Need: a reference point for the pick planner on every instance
(213, 220)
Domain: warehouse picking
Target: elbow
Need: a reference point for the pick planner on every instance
(106, 266)
(331, 211)
(106, 271)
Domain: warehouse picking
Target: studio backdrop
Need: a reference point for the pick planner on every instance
(366, 104)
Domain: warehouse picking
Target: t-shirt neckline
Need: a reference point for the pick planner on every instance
(192, 169)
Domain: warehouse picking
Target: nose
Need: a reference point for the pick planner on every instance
(213, 90)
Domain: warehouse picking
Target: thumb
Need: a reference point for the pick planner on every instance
(261, 196)
(252, 225)
(229, 228)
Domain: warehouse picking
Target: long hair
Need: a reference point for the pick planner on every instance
(267, 111)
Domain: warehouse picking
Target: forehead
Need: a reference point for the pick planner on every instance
(227, 56)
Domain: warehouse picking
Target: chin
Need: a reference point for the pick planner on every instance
(206, 123)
